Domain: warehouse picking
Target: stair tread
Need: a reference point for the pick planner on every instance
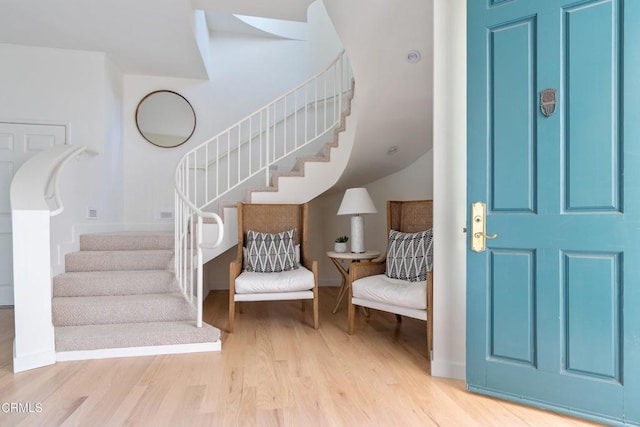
(134, 252)
(148, 259)
(107, 299)
(112, 309)
(122, 335)
(115, 274)
(127, 240)
(113, 282)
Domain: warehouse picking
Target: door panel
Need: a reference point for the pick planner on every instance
(592, 319)
(512, 163)
(512, 288)
(552, 315)
(18, 142)
(591, 74)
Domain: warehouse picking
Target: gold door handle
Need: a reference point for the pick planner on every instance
(479, 235)
(485, 235)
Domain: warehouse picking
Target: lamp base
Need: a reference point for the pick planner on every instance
(357, 234)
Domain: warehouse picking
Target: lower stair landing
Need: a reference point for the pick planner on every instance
(134, 339)
(119, 297)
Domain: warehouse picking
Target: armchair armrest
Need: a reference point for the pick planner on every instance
(311, 265)
(306, 261)
(235, 268)
(358, 270)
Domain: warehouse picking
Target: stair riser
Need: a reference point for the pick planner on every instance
(117, 242)
(93, 337)
(113, 283)
(107, 261)
(67, 312)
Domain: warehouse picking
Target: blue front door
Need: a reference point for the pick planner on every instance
(553, 303)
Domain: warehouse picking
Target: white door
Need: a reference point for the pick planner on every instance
(18, 142)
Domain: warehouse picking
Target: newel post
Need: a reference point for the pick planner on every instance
(34, 343)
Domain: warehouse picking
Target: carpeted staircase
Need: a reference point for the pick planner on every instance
(119, 297)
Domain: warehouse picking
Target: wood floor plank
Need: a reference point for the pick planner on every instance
(274, 370)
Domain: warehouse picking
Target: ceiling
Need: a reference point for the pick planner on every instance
(394, 96)
(142, 37)
(152, 37)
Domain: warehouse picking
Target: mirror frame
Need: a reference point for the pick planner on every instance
(145, 98)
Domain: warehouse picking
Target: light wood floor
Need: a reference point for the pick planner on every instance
(274, 370)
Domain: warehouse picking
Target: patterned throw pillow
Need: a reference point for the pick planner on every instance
(410, 255)
(269, 253)
(245, 263)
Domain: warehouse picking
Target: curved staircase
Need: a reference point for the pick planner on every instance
(309, 130)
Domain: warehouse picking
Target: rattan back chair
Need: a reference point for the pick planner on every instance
(408, 217)
(272, 218)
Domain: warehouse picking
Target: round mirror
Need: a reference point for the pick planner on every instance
(165, 118)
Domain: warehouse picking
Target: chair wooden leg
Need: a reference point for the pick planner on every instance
(351, 314)
(232, 312)
(398, 318)
(315, 311)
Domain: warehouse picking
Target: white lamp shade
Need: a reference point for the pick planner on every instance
(356, 201)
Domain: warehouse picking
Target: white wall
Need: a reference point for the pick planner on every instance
(450, 207)
(248, 72)
(55, 86)
(83, 91)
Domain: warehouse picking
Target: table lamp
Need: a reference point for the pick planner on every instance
(357, 202)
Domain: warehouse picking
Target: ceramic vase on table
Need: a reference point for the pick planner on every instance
(340, 247)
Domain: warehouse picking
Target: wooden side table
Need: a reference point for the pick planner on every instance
(337, 257)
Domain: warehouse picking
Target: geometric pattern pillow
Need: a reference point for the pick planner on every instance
(245, 263)
(269, 253)
(410, 255)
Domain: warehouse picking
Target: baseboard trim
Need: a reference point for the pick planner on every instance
(448, 369)
(6, 296)
(32, 361)
(156, 350)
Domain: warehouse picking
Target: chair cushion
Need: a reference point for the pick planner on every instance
(267, 252)
(383, 289)
(250, 282)
(409, 255)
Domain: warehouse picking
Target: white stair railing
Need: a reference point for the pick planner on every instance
(241, 154)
